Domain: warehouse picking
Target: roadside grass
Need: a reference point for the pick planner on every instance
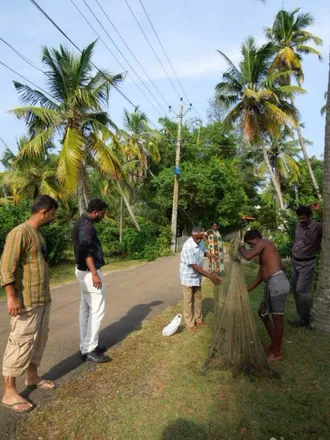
(157, 389)
(63, 272)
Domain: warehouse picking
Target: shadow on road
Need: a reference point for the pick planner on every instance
(109, 336)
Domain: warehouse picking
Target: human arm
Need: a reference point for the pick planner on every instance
(317, 208)
(97, 282)
(86, 247)
(10, 259)
(249, 255)
(256, 282)
(211, 276)
(212, 256)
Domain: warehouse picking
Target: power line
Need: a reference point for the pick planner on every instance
(131, 52)
(27, 80)
(152, 48)
(21, 55)
(116, 46)
(114, 56)
(44, 13)
(165, 53)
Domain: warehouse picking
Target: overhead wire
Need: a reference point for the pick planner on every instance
(114, 56)
(28, 80)
(132, 53)
(121, 53)
(44, 13)
(152, 48)
(167, 57)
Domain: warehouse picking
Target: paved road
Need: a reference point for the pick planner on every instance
(132, 296)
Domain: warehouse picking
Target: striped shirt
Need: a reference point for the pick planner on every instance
(23, 263)
(192, 253)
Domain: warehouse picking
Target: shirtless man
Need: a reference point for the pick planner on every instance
(276, 291)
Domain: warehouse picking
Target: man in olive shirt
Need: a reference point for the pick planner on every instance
(307, 244)
(25, 278)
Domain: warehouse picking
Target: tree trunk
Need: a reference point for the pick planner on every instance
(121, 221)
(82, 192)
(308, 162)
(321, 311)
(131, 213)
(273, 178)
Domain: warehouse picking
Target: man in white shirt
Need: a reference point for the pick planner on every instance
(191, 273)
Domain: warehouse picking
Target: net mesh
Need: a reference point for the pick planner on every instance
(235, 341)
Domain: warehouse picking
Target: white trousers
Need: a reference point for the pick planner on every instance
(92, 306)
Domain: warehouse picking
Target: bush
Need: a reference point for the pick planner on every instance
(150, 243)
(57, 235)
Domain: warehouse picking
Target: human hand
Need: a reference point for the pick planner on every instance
(97, 282)
(13, 306)
(215, 279)
(315, 207)
(214, 257)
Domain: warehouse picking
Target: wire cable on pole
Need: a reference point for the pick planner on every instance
(131, 52)
(166, 55)
(44, 13)
(27, 80)
(114, 56)
(152, 48)
(116, 46)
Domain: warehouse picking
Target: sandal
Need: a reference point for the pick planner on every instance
(41, 384)
(11, 407)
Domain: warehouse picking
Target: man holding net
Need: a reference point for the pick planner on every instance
(191, 273)
(276, 291)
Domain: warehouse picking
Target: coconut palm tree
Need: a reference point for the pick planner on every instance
(139, 143)
(257, 100)
(73, 116)
(30, 177)
(291, 41)
(322, 295)
(283, 157)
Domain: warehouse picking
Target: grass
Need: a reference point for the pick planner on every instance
(156, 389)
(63, 272)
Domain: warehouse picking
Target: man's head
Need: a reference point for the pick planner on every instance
(252, 237)
(197, 234)
(214, 227)
(44, 209)
(96, 210)
(305, 215)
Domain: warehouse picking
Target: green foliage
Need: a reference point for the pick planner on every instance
(148, 244)
(209, 191)
(57, 235)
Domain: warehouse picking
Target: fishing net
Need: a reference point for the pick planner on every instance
(235, 342)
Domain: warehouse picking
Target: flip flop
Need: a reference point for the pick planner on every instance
(11, 407)
(41, 384)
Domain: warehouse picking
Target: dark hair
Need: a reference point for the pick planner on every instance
(304, 210)
(43, 202)
(253, 234)
(197, 230)
(96, 205)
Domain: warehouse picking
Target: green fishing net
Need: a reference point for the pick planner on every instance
(235, 342)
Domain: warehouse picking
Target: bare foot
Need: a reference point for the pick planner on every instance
(40, 383)
(16, 401)
(201, 324)
(274, 357)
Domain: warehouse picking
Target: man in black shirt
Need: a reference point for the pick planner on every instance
(89, 260)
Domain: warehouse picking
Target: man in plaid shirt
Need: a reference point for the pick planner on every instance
(191, 273)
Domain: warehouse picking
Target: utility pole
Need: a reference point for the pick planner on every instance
(176, 180)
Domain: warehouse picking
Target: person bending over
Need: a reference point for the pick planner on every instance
(276, 290)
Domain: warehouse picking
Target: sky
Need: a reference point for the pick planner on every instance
(191, 32)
